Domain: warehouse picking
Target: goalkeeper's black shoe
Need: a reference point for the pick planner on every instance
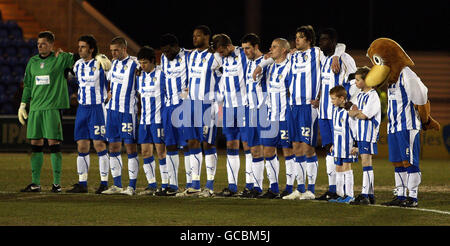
(394, 202)
(372, 200)
(409, 203)
(270, 195)
(328, 196)
(246, 193)
(101, 188)
(285, 193)
(227, 193)
(78, 188)
(360, 200)
(32, 188)
(56, 188)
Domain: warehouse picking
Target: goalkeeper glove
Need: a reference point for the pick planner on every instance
(102, 61)
(22, 114)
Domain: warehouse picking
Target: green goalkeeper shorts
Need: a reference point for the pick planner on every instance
(45, 124)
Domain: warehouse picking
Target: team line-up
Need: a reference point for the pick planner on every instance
(270, 101)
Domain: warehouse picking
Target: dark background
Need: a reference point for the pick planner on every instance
(416, 25)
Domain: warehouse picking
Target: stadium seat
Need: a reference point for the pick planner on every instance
(17, 79)
(8, 108)
(11, 61)
(22, 61)
(15, 33)
(5, 70)
(32, 43)
(11, 24)
(6, 79)
(4, 42)
(3, 98)
(19, 42)
(18, 70)
(11, 51)
(3, 33)
(11, 89)
(23, 52)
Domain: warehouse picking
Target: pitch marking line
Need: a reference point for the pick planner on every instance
(421, 209)
(45, 194)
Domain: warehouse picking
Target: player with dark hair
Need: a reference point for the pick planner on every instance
(255, 117)
(45, 89)
(90, 72)
(200, 129)
(151, 93)
(174, 61)
(329, 79)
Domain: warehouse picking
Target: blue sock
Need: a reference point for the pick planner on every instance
(105, 183)
(118, 181)
(301, 188)
(196, 184)
(311, 187)
(274, 188)
(152, 185)
(210, 184)
(232, 187)
(133, 183)
(83, 183)
(289, 188)
(332, 188)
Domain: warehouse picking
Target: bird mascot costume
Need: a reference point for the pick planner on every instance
(408, 112)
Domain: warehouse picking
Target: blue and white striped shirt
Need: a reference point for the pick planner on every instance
(256, 90)
(176, 76)
(277, 81)
(305, 79)
(329, 80)
(203, 75)
(369, 103)
(123, 85)
(151, 87)
(91, 81)
(407, 91)
(233, 85)
(343, 133)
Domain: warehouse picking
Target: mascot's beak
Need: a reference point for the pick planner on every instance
(377, 75)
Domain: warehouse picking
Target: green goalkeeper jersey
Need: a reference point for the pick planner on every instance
(45, 86)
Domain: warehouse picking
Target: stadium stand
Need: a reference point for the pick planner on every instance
(19, 25)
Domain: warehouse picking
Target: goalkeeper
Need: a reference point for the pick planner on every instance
(45, 89)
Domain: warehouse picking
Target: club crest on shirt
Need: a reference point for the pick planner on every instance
(93, 69)
(125, 67)
(42, 65)
(305, 58)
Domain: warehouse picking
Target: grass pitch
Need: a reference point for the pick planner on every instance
(48, 209)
